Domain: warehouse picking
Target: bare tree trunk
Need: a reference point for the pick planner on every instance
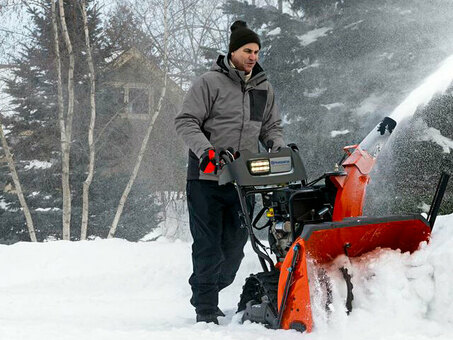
(61, 119)
(280, 6)
(138, 163)
(144, 145)
(68, 124)
(89, 179)
(20, 195)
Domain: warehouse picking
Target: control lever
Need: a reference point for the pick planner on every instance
(269, 145)
(224, 156)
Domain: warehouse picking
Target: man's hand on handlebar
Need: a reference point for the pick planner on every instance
(293, 146)
(213, 160)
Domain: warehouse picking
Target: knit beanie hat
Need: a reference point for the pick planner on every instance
(241, 35)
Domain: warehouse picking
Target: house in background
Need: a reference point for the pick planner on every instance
(132, 84)
(138, 82)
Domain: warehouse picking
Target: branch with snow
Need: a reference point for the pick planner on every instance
(433, 135)
(335, 133)
(311, 36)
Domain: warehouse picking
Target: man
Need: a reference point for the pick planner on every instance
(232, 105)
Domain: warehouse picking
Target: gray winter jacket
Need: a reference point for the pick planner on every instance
(222, 110)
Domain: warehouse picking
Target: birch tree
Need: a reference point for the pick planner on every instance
(61, 119)
(66, 121)
(17, 185)
(152, 120)
(91, 145)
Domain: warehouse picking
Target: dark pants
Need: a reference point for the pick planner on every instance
(218, 241)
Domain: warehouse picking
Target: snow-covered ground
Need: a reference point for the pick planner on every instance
(114, 289)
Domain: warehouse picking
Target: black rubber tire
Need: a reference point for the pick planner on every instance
(263, 285)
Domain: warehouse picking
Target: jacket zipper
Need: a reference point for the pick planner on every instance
(243, 112)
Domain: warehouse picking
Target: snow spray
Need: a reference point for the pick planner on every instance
(438, 82)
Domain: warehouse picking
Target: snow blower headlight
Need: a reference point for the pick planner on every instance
(259, 166)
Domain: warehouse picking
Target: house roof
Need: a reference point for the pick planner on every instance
(134, 55)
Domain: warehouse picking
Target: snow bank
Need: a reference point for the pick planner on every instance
(397, 296)
(114, 289)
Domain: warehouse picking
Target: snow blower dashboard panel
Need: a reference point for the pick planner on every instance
(259, 169)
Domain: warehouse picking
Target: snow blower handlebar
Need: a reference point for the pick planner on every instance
(264, 168)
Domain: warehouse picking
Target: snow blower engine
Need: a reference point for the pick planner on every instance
(315, 221)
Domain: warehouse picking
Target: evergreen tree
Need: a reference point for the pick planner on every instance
(123, 31)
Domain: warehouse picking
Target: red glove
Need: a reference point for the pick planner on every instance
(207, 162)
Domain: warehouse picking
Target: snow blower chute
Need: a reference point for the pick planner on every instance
(319, 220)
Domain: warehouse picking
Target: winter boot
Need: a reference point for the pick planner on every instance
(219, 313)
(208, 318)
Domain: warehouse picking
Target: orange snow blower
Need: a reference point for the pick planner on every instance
(315, 221)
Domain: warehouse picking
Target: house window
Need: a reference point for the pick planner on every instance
(134, 100)
(116, 97)
(138, 102)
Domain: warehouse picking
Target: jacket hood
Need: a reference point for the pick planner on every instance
(222, 65)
